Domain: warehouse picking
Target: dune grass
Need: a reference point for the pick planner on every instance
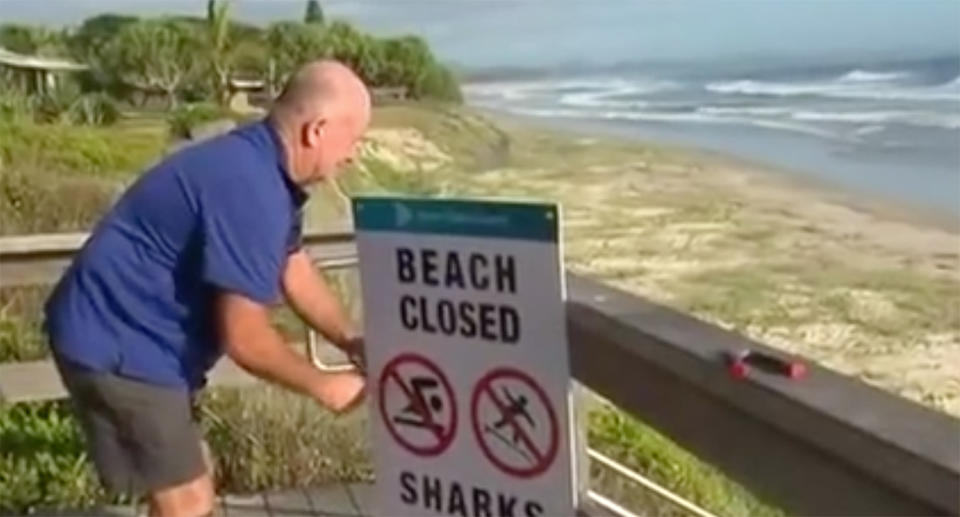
(644, 450)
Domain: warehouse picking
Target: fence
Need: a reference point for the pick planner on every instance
(825, 445)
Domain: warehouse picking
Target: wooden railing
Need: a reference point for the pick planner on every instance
(823, 445)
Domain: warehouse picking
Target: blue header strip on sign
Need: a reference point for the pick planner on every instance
(507, 220)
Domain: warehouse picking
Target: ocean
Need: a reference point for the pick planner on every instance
(890, 131)
(862, 96)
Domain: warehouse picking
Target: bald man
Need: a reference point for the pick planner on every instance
(185, 268)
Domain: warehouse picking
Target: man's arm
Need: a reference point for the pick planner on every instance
(315, 303)
(253, 343)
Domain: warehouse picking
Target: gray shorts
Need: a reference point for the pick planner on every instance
(141, 437)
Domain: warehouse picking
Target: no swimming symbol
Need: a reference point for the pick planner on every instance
(417, 405)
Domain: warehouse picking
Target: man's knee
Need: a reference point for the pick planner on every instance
(192, 499)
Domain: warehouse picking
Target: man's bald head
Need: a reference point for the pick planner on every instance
(322, 112)
(319, 88)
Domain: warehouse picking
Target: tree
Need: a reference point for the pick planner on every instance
(406, 59)
(290, 44)
(359, 51)
(314, 12)
(154, 55)
(94, 33)
(220, 48)
(25, 39)
(87, 45)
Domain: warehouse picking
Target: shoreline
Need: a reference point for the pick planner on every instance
(770, 174)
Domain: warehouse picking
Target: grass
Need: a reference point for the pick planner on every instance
(82, 151)
(265, 438)
(58, 177)
(473, 142)
(912, 303)
(646, 451)
(38, 202)
(21, 337)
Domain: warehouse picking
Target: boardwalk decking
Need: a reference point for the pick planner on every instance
(329, 501)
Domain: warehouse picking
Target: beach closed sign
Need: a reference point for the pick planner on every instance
(466, 357)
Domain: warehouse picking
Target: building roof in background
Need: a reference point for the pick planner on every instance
(247, 83)
(51, 64)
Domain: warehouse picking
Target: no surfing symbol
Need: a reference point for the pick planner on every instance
(514, 423)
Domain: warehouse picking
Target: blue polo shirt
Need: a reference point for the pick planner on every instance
(138, 299)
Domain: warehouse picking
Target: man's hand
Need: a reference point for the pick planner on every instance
(340, 392)
(356, 353)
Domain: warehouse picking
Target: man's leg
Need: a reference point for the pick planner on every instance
(191, 499)
(143, 439)
(193, 495)
(104, 443)
(168, 451)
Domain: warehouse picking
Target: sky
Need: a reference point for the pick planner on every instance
(491, 33)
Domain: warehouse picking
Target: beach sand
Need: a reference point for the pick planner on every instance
(869, 290)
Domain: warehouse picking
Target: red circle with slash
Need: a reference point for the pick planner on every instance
(542, 454)
(421, 409)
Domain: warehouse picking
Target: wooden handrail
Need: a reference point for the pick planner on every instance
(824, 445)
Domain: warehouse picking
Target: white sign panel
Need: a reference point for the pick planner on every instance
(467, 357)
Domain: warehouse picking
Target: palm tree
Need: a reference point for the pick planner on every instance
(220, 47)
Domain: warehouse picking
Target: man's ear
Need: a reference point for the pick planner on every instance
(313, 132)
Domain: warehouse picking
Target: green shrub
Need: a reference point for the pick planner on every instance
(42, 461)
(185, 117)
(15, 107)
(438, 82)
(63, 105)
(95, 109)
(408, 62)
(55, 106)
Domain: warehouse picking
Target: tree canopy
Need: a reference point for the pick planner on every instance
(154, 55)
(26, 39)
(189, 57)
(314, 12)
